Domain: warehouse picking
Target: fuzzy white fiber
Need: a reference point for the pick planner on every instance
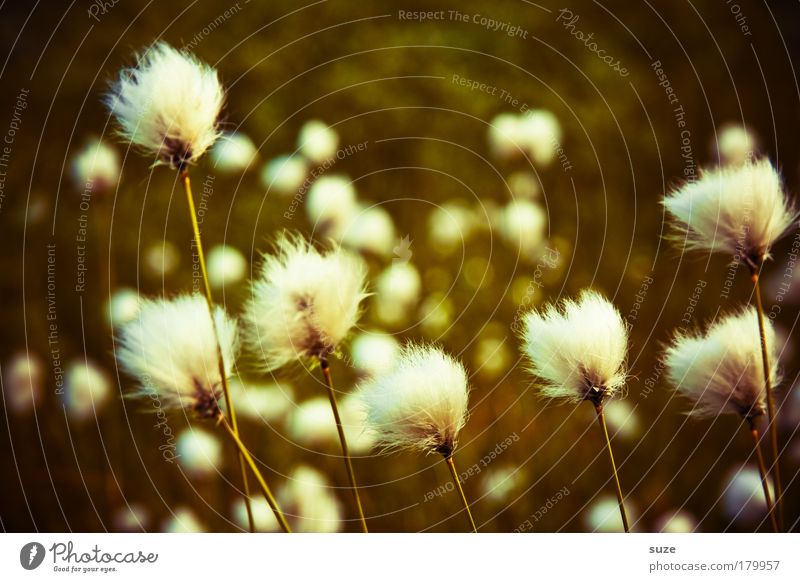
(168, 104)
(303, 303)
(421, 403)
(721, 370)
(171, 349)
(578, 348)
(96, 167)
(738, 209)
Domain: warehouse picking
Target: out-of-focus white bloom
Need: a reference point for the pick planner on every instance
(603, 515)
(87, 390)
(23, 375)
(303, 303)
(721, 370)
(500, 482)
(436, 314)
(397, 291)
(505, 138)
(371, 231)
(523, 225)
(524, 186)
(168, 105)
(743, 495)
(622, 419)
(284, 174)
(540, 134)
(161, 258)
(331, 205)
(354, 423)
(450, 226)
(172, 350)
(226, 266)
(374, 352)
(311, 423)
(123, 306)
(421, 403)
(199, 452)
(492, 357)
(234, 152)
(183, 520)
(265, 403)
(680, 521)
(735, 145)
(263, 517)
(578, 348)
(317, 141)
(309, 502)
(96, 167)
(739, 210)
(130, 518)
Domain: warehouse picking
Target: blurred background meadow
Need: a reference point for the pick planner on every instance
(483, 158)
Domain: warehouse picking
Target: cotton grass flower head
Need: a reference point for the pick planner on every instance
(122, 306)
(284, 174)
(374, 352)
(308, 497)
(577, 348)
(371, 231)
(739, 210)
(317, 141)
(331, 206)
(722, 370)
(168, 105)
(172, 349)
(199, 452)
(226, 266)
(523, 226)
(233, 152)
(303, 302)
(96, 167)
(267, 402)
(735, 145)
(421, 403)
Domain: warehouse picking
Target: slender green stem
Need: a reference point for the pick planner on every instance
(454, 474)
(187, 186)
(259, 478)
(772, 425)
(763, 470)
(601, 418)
(326, 372)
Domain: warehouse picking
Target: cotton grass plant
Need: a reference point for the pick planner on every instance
(181, 359)
(302, 305)
(722, 371)
(742, 211)
(168, 107)
(420, 404)
(578, 350)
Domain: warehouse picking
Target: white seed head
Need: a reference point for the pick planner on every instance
(371, 231)
(374, 352)
(721, 370)
(311, 423)
(450, 226)
(96, 167)
(265, 403)
(540, 134)
(23, 376)
(199, 452)
(309, 502)
(284, 174)
(303, 303)
(505, 136)
(397, 291)
(168, 105)
(740, 210)
(123, 306)
(87, 390)
(735, 144)
(226, 266)
(317, 141)
(331, 205)
(577, 348)
(523, 225)
(234, 152)
(172, 350)
(421, 403)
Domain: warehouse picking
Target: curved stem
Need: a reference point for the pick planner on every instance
(245, 454)
(763, 470)
(187, 186)
(601, 418)
(326, 372)
(772, 425)
(453, 473)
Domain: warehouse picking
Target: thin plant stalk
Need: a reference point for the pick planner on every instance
(601, 418)
(772, 425)
(763, 470)
(453, 473)
(245, 454)
(187, 186)
(326, 372)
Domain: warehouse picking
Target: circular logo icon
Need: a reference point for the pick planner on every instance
(31, 555)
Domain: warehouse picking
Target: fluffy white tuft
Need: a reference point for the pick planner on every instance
(721, 370)
(736, 210)
(168, 104)
(577, 348)
(303, 303)
(171, 348)
(421, 403)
